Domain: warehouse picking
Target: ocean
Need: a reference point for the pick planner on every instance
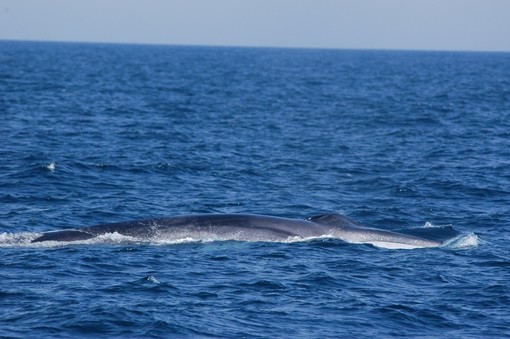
(101, 133)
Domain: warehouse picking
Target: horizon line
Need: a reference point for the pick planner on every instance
(248, 46)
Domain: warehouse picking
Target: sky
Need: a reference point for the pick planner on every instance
(464, 25)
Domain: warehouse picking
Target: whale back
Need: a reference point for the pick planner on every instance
(65, 235)
(334, 219)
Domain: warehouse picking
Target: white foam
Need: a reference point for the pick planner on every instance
(428, 224)
(111, 238)
(153, 279)
(51, 166)
(462, 241)
(25, 240)
(17, 239)
(175, 241)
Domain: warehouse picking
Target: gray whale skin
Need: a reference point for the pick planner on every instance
(246, 227)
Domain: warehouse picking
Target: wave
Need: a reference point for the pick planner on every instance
(462, 242)
(7, 240)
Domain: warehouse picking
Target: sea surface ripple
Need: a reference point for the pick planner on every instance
(97, 133)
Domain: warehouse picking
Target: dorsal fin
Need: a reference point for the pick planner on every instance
(334, 219)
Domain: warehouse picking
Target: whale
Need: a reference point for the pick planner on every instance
(245, 227)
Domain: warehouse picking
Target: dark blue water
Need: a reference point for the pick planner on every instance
(103, 133)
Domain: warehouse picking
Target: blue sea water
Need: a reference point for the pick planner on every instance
(97, 133)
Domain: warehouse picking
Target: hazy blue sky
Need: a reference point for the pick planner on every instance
(388, 24)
